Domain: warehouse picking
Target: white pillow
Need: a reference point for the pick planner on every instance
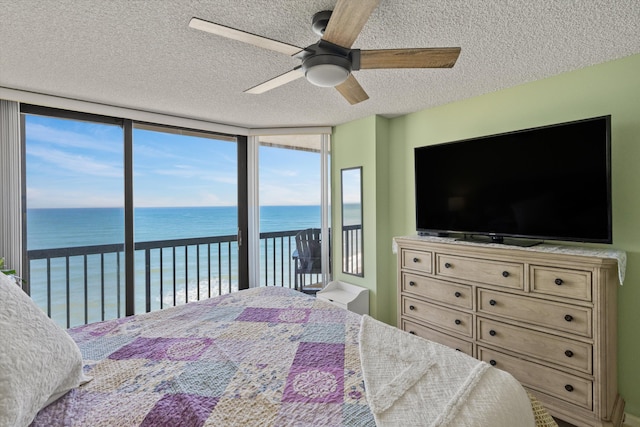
(39, 362)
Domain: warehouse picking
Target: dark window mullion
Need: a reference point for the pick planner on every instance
(243, 215)
(129, 243)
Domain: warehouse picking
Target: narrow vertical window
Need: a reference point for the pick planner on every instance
(290, 183)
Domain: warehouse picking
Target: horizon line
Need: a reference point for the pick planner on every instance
(157, 207)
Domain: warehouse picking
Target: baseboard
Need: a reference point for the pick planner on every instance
(631, 420)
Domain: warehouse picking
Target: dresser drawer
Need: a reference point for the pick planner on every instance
(449, 293)
(562, 317)
(452, 320)
(417, 260)
(561, 282)
(439, 337)
(562, 351)
(570, 388)
(498, 273)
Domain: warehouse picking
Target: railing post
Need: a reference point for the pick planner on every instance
(147, 279)
(186, 274)
(68, 291)
(86, 290)
(102, 307)
(347, 250)
(118, 281)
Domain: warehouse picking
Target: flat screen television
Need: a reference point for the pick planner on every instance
(545, 183)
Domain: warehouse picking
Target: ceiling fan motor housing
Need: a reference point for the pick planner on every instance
(319, 21)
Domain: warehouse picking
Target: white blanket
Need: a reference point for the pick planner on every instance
(410, 381)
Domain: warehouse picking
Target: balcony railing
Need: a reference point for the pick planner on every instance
(352, 249)
(84, 284)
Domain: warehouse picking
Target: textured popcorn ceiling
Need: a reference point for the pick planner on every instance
(141, 54)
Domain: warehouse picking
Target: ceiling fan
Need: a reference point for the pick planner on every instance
(330, 61)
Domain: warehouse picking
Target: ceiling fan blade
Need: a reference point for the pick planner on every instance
(437, 57)
(351, 90)
(347, 20)
(243, 36)
(282, 79)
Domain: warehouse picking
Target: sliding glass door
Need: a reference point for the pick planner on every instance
(186, 216)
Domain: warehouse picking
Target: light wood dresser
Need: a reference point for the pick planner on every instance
(546, 316)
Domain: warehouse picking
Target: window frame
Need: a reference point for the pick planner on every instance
(127, 126)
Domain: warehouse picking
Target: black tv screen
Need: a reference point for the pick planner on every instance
(549, 183)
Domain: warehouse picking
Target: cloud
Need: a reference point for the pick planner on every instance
(76, 163)
(282, 195)
(72, 198)
(201, 198)
(287, 173)
(190, 172)
(144, 150)
(66, 138)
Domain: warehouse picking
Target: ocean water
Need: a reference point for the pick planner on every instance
(88, 287)
(59, 228)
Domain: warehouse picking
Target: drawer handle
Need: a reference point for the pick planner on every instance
(458, 294)
(568, 353)
(412, 307)
(412, 333)
(458, 322)
(492, 333)
(558, 281)
(568, 317)
(447, 265)
(569, 388)
(492, 362)
(493, 302)
(416, 260)
(412, 283)
(505, 274)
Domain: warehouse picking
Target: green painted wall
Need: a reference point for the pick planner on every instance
(610, 88)
(366, 144)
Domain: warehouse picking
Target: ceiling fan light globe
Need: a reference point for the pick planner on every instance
(326, 70)
(327, 75)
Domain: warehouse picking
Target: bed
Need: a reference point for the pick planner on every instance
(269, 357)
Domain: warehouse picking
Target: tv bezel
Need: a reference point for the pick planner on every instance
(498, 237)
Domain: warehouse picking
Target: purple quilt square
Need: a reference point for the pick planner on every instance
(274, 315)
(314, 385)
(185, 410)
(256, 314)
(163, 348)
(316, 354)
(98, 329)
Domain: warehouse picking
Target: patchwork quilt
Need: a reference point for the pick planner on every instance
(266, 356)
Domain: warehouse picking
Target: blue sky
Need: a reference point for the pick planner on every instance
(80, 164)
